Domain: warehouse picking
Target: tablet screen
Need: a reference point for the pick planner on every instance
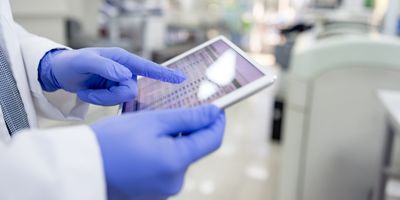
(211, 72)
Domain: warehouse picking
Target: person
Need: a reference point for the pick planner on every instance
(141, 155)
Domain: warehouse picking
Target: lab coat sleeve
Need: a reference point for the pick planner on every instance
(59, 105)
(57, 164)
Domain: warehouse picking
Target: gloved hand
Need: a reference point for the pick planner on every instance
(145, 159)
(103, 76)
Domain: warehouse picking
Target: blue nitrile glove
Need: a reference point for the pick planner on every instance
(143, 155)
(103, 76)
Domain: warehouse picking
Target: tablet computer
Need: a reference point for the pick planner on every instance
(217, 72)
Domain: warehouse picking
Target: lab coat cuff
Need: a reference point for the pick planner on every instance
(59, 105)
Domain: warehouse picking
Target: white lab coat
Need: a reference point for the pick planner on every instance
(54, 164)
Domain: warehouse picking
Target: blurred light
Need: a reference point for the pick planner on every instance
(255, 41)
(264, 59)
(379, 12)
(223, 70)
(283, 5)
(291, 14)
(257, 172)
(207, 187)
(206, 90)
(258, 10)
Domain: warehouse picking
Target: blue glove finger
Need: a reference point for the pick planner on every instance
(184, 120)
(200, 143)
(105, 68)
(125, 91)
(142, 67)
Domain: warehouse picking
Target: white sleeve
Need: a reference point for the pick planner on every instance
(59, 164)
(56, 105)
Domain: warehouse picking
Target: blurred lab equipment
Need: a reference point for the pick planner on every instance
(289, 34)
(333, 121)
(282, 53)
(326, 18)
(326, 4)
(388, 12)
(135, 25)
(388, 184)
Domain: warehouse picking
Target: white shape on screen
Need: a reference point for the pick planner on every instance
(206, 89)
(223, 70)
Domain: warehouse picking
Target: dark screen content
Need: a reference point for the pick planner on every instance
(211, 73)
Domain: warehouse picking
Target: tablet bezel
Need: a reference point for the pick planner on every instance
(245, 91)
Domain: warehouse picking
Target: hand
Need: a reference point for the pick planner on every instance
(143, 155)
(103, 76)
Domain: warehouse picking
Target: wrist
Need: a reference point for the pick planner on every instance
(46, 78)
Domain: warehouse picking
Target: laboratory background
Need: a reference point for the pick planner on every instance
(328, 127)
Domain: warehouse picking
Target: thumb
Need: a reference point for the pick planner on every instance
(125, 91)
(201, 143)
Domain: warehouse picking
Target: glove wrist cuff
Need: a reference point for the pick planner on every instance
(46, 78)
